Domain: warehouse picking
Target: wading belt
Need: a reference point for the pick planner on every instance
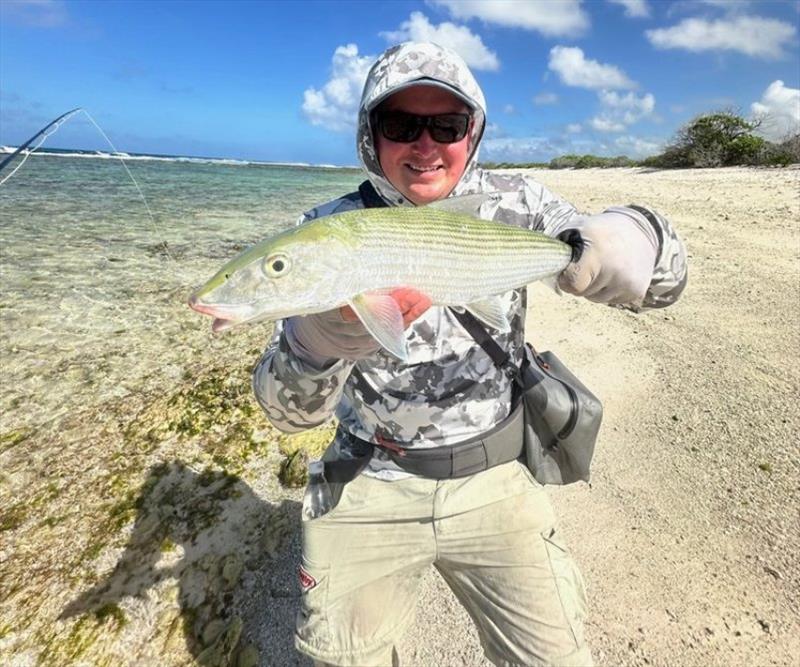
(501, 444)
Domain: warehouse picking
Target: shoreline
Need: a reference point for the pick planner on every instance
(105, 155)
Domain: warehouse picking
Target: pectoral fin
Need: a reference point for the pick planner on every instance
(381, 316)
(490, 311)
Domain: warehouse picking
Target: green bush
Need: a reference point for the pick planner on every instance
(590, 161)
(790, 148)
(711, 139)
(723, 139)
(746, 149)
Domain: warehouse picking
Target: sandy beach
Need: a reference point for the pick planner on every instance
(146, 524)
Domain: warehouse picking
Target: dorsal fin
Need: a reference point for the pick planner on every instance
(464, 204)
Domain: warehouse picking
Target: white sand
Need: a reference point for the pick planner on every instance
(688, 547)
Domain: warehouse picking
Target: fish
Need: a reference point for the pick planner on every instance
(357, 257)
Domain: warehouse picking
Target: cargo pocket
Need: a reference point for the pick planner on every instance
(569, 584)
(312, 627)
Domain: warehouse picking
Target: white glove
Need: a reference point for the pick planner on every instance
(323, 338)
(619, 254)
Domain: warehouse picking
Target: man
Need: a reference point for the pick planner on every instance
(491, 534)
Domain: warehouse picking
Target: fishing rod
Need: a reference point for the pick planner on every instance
(44, 133)
(51, 128)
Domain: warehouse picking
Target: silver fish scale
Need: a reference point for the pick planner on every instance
(452, 258)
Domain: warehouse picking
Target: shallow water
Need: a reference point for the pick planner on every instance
(92, 307)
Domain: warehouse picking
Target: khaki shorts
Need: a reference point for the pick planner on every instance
(492, 537)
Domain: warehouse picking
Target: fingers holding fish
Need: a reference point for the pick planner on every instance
(412, 303)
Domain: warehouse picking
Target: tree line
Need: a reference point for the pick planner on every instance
(719, 139)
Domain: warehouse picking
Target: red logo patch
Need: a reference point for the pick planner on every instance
(307, 582)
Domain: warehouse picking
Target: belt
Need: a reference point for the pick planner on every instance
(501, 444)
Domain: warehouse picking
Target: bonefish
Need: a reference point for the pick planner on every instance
(355, 258)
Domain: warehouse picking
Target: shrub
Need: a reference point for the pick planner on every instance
(710, 140)
(791, 148)
(723, 139)
(746, 149)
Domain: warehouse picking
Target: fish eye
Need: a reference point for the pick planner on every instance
(277, 265)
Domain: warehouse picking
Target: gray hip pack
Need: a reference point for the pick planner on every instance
(561, 416)
(552, 427)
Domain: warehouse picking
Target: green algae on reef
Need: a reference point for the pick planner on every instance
(111, 610)
(216, 409)
(131, 446)
(130, 498)
(13, 438)
(298, 449)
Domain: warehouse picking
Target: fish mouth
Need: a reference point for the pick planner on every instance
(220, 324)
(225, 316)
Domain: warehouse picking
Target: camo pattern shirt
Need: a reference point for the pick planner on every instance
(449, 389)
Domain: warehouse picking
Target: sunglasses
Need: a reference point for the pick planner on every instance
(402, 127)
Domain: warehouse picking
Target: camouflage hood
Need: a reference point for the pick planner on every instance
(408, 64)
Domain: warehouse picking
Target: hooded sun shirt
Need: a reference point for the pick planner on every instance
(413, 64)
(448, 390)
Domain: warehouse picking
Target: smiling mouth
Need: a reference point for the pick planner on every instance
(423, 169)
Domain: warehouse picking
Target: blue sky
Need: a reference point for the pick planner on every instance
(280, 81)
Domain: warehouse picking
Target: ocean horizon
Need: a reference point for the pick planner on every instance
(164, 157)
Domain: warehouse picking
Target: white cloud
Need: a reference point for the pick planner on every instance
(544, 149)
(780, 108)
(574, 128)
(751, 35)
(631, 106)
(509, 109)
(575, 69)
(636, 147)
(36, 13)
(493, 131)
(543, 99)
(620, 111)
(519, 149)
(335, 106)
(552, 18)
(459, 38)
(634, 8)
(602, 124)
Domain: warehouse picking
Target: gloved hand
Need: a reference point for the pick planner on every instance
(618, 258)
(338, 334)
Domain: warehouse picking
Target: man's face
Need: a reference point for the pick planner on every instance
(424, 170)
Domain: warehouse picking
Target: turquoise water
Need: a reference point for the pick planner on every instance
(92, 307)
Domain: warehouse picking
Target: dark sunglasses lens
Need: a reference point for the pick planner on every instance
(445, 128)
(401, 127)
(449, 128)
